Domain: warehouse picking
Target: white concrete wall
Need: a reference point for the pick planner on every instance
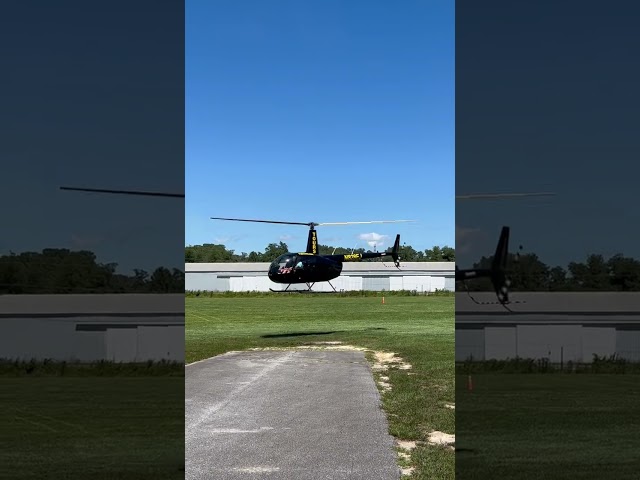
(500, 343)
(628, 344)
(550, 341)
(421, 283)
(470, 343)
(575, 343)
(87, 328)
(598, 340)
(25, 338)
(578, 324)
(160, 342)
(244, 277)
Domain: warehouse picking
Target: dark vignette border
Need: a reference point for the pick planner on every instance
(546, 101)
(93, 97)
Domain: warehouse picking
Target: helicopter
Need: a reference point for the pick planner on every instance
(497, 271)
(309, 267)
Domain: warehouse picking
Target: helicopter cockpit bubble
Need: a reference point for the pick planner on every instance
(283, 261)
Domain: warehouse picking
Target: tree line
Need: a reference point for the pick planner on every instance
(528, 273)
(64, 271)
(57, 270)
(214, 253)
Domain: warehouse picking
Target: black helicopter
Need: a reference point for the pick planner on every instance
(497, 272)
(309, 267)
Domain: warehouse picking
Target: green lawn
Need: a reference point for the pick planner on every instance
(88, 427)
(532, 426)
(418, 329)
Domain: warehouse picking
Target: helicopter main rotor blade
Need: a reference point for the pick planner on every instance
(372, 221)
(263, 221)
(503, 195)
(308, 224)
(125, 192)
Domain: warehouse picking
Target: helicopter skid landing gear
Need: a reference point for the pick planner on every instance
(311, 291)
(309, 287)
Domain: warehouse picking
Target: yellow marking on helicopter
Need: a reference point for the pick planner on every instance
(352, 256)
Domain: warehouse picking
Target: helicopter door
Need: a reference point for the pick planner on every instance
(310, 263)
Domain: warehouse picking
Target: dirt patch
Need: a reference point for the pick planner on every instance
(384, 386)
(407, 445)
(383, 360)
(383, 383)
(404, 455)
(404, 448)
(441, 438)
(386, 357)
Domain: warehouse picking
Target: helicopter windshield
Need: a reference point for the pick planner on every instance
(284, 261)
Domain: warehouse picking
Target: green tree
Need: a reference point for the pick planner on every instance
(274, 250)
(592, 275)
(624, 273)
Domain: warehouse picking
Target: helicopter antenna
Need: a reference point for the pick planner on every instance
(125, 192)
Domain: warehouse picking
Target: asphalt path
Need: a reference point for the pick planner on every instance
(286, 415)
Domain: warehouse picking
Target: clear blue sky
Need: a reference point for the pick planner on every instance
(559, 116)
(94, 100)
(319, 111)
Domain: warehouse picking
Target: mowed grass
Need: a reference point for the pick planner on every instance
(532, 426)
(418, 329)
(88, 427)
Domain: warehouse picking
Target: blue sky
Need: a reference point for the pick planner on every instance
(319, 111)
(104, 112)
(561, 116)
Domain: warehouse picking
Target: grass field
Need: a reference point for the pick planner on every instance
(420, 330)
(84, 426)
(531, 426)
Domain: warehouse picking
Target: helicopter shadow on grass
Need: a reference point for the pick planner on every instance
(304, 334)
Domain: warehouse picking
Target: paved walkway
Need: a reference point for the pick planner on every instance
(302, 415)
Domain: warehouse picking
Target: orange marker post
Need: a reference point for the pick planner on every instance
(383, 300)
(469, 383)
